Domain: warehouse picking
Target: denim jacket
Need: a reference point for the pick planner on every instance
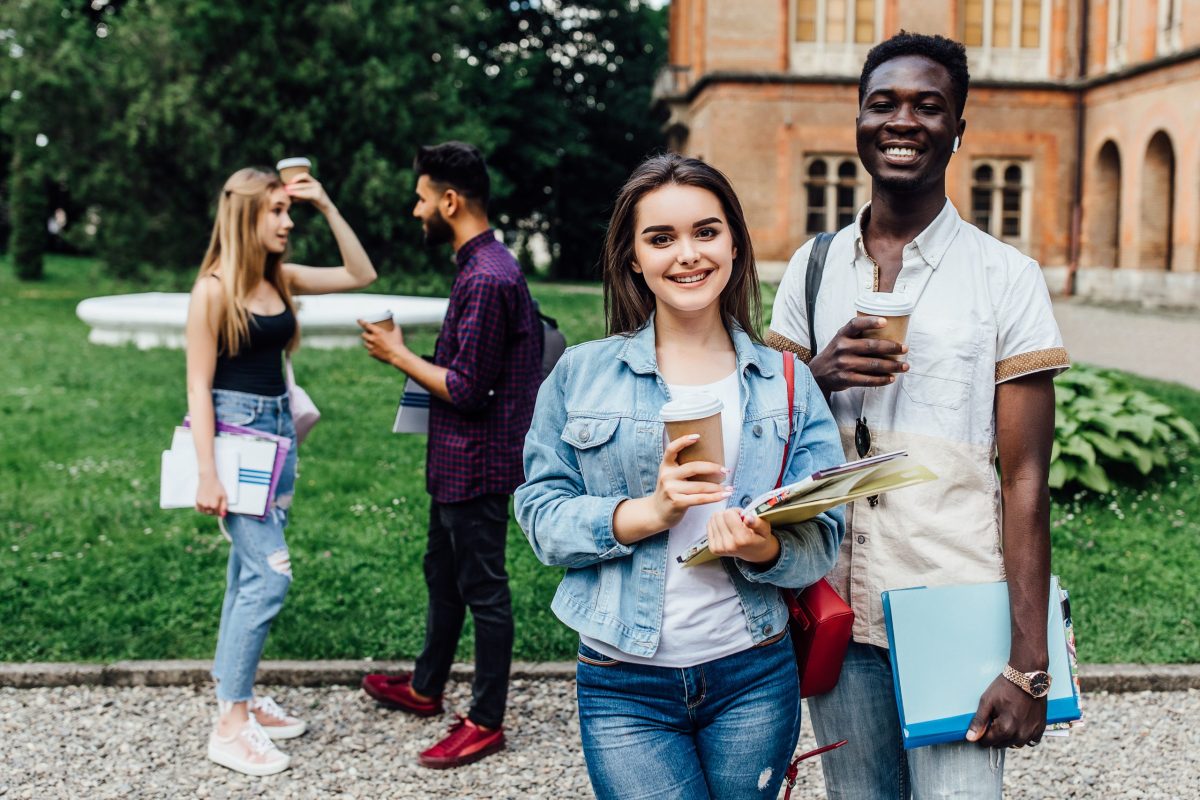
(597, 439)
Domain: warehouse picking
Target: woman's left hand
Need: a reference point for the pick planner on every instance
(306, 187)
(748, 538)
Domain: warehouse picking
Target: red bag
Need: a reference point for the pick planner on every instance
(818, 618)
(820, 622)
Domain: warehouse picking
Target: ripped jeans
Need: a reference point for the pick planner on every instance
(723, 729)
(259, 571)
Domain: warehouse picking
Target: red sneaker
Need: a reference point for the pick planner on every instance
(466, 743)
(395, 691)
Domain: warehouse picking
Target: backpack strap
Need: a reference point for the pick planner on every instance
(812, 284)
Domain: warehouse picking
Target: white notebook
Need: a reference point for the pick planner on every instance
(412, 416)
(244, 467)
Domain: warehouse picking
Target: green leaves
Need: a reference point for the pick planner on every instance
(1102, 427)
(147, 120)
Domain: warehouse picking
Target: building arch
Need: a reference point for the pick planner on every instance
(1104, 216)
(1157, 203)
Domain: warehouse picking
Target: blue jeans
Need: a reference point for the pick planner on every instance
(260, 570)
(724, 729)
(874, 764)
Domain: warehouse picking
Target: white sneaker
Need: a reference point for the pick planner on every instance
(249, 751)
(274, 720)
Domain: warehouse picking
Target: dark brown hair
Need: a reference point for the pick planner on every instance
(628, 301)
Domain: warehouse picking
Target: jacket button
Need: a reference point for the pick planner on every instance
(745, 500)
(757, 430)
(862, 539)
(767, 630)
(584, 435)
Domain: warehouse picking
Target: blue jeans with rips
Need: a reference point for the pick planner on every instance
(260, 571)
(874, 765)
(723, 729)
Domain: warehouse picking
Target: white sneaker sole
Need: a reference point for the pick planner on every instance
(278, 732)
(247, 767)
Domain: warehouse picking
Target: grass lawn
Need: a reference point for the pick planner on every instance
(91, 569)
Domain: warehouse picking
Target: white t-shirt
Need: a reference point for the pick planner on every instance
(702, 615)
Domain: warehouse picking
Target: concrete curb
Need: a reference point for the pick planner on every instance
(1094, 677)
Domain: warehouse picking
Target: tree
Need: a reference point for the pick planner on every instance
(28, 213)
(151, 104)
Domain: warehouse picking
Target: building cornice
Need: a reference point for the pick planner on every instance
(722, 77)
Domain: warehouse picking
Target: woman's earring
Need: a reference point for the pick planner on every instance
(954, 148)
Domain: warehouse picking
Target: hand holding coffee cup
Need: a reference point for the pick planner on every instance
(697, 414)
(867, 351)
(382, 339)
(380, 319)
(291, 168)
(894, 309)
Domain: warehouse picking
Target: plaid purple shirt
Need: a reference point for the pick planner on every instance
(491, 341)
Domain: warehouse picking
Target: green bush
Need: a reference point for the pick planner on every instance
(1103, 427)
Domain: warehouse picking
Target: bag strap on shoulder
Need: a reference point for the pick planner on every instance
(812, 283)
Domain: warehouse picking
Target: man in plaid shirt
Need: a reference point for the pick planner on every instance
(483, 381)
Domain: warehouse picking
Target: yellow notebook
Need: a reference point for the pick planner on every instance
(826, 489)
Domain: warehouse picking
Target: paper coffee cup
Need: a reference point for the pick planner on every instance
(894, 308)
(291, 168)
(697, 413)
(383, 319)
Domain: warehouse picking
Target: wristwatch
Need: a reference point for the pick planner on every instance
(1035, 684)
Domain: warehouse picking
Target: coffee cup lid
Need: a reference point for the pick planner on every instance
(378, 316)
(299, 161)
(692, 406)
(885, 304)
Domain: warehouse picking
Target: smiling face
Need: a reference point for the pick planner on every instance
(683, 249)
(907, 124)
(275, 223)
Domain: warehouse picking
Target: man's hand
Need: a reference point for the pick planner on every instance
(382, 344)
(850, 360)
(1007, 717)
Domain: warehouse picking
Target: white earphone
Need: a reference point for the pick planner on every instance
(954, 147)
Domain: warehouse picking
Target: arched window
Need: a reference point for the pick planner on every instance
(1000, 192)
(833, 189)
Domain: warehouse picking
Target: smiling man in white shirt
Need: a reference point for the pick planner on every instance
(974, 381)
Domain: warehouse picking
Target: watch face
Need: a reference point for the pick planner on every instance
(1039, 684)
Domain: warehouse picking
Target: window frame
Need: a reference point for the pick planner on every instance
(1014, 61)
(821, 56)
(1000, 165)
(831, 181)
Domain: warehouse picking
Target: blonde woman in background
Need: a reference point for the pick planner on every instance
(241, 320)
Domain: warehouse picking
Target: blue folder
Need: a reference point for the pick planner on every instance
(948, 643)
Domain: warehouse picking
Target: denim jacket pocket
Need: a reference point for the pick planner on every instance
(587, 435)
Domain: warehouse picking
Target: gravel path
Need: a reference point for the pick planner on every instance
(101, 742)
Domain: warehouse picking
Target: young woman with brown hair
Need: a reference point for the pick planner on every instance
(686, 680)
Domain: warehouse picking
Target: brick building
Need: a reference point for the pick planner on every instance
(1082, 145)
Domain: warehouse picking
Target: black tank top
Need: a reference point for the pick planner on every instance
(258, 366)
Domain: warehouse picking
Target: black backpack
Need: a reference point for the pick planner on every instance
(553, 341)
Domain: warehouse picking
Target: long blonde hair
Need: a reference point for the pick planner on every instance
(237, 256)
